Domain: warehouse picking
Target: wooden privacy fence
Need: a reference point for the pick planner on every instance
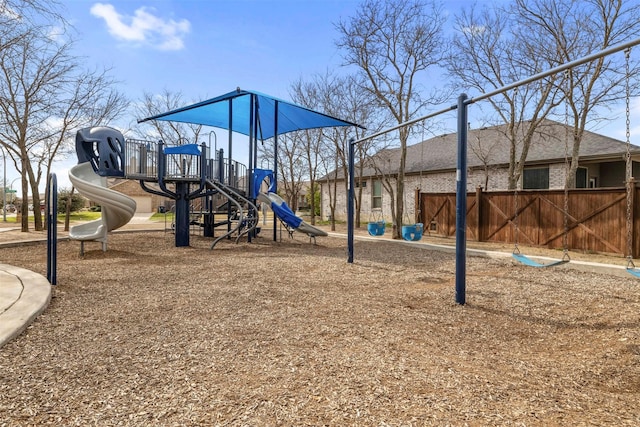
(596, 219)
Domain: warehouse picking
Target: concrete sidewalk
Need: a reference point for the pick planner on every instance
(23, 296)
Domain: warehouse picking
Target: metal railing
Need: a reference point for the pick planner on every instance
(142, 157)
(182, 167)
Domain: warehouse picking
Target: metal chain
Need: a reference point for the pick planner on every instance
(567, 169)
(419, 207)
(628, 163)
(516, 250)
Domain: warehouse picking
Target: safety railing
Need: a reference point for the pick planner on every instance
(142, 159)
(182, 167)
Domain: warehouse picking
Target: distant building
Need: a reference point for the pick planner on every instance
(431, 166)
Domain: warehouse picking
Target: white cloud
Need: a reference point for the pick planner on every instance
(143, 27)
(474, 29)
(7, 12)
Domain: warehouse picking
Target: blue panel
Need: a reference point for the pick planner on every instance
(260, 175)
(191, 149)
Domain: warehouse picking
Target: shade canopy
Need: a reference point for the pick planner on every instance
(215, 112)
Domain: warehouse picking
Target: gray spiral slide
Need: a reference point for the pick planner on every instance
(117, 208)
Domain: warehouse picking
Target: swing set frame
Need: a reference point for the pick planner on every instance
(461, 106)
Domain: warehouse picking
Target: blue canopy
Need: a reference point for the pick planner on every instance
(215, 112)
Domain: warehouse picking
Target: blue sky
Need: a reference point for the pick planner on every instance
(204, 48)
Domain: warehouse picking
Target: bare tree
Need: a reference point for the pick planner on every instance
(391, 43)
(498, 55)
(326, 152)
(356, 106)
(573, 29)
(310, 94)
(170, 132)
(507, 44)
(291, 165)
(485, 150)
(21, 17)
(44, 95)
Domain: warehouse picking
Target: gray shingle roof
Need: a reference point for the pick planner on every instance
(548, 146)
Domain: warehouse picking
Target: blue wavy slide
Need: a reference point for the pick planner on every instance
(284, 212)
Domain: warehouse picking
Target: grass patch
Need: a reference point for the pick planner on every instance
(75, 216)
(81, 216)
(162, 216)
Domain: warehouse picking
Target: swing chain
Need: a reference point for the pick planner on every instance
(516, 250)
(628, 163)
(567, 169)
(630, 263)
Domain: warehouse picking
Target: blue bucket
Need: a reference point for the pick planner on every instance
(412, 233)
(376, 228)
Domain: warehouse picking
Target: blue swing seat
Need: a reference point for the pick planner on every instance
(531, 263)
(412, 233)
(633, 271)
(376, 228)
(631, 267)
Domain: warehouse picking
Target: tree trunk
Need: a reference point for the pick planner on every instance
(67, 216)
(24, 207)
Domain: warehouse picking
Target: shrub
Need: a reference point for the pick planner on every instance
(77, 201)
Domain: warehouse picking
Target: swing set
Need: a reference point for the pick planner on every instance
(517, 255)
(411, 232)
(461, 106)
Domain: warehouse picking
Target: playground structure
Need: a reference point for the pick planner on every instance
(189, 173)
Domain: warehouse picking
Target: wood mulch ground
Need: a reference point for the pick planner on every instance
(288, 333)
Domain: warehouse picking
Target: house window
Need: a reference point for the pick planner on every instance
(376, 195)
(535, 179)
(581, 178)
(362, 184)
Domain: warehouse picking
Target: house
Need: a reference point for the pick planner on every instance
(299, 201)
(431, 166)
(145, 202)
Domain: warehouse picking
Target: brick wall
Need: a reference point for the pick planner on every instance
(439, 182)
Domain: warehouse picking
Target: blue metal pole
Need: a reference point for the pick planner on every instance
(230, 179)
(461, 202)
(182, 214)
(276, 112)
(350, 202)
(252, 146)
(220, 159)
(52, 229)
(4, 187)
